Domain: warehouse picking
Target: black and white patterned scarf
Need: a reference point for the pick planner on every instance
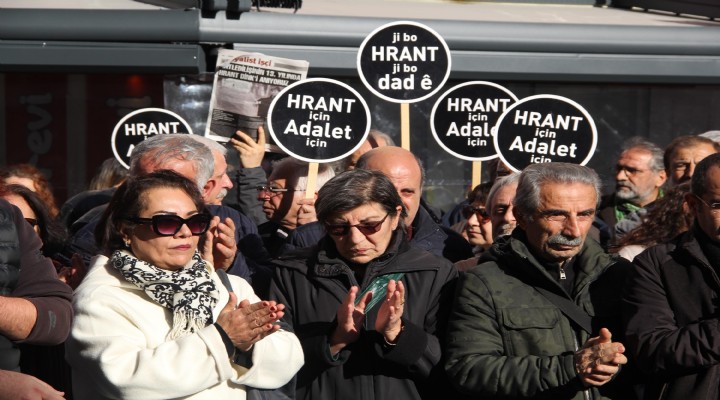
(189, 292)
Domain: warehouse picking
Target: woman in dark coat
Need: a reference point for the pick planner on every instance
(368, 308)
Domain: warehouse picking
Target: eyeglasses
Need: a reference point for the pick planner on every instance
(274, 190)
(367, 228)
(714, 207)
(480, 212)
(169, 225)
(629, 171)
(31, 221)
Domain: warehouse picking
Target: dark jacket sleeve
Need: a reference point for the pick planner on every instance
(252, 262)
(456, 247)
(247, 180)
(660, 346)
(306, 235)
(314, 337)
(38, 283)
(430, 334)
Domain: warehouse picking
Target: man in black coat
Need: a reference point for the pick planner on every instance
(671, 302)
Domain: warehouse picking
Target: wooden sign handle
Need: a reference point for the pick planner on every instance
(312, 180)
(405, 126)
(476, 173)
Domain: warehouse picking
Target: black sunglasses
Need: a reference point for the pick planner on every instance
(367, 228)
(481, 212)
(169, 225)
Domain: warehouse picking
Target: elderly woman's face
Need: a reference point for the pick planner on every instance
(165, 252)
(478, 228)
(361, 244)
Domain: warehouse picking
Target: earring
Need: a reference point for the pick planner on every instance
(127, 242)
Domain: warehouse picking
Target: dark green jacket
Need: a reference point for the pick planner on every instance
(506, 340)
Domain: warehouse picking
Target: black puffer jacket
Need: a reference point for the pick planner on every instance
(313, 282)
(670, 310)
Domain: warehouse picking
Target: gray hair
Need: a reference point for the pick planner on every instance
(698, 182)
(499, 184)
(637, 143)
(212, 144)
(295, 173)
(352, 189)
(527, 197)
(712, 135)
(159, 150)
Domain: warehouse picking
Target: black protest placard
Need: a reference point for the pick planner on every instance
(319, 120)
(404, 62)
(545, 128)
(138, 125)
(463, 119)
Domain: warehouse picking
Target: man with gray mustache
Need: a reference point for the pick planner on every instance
(540, 319)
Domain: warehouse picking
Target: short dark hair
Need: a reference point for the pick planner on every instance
(52, 233)
(480, 193)
(698, 185)
(356, 187)
(128, 201)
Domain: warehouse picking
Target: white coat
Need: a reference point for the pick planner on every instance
(117, 347)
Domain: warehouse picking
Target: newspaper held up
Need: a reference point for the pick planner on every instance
(244, 86)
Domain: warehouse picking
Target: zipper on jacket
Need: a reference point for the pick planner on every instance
(562, 273)
(587, 394)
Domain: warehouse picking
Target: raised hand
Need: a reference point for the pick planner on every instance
(249, 323)
(599, 359)
(219, 246)
(350, 318)
(306, 211)
(251, 153)
(388, 321)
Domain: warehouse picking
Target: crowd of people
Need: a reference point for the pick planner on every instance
(186, 277)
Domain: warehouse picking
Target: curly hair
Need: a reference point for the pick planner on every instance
(42, 185)
(668, 218)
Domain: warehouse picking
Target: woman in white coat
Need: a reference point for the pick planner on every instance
(155, 320)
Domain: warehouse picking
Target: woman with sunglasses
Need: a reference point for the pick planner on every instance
(477, 227)
(154, 319)
(367, 306)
